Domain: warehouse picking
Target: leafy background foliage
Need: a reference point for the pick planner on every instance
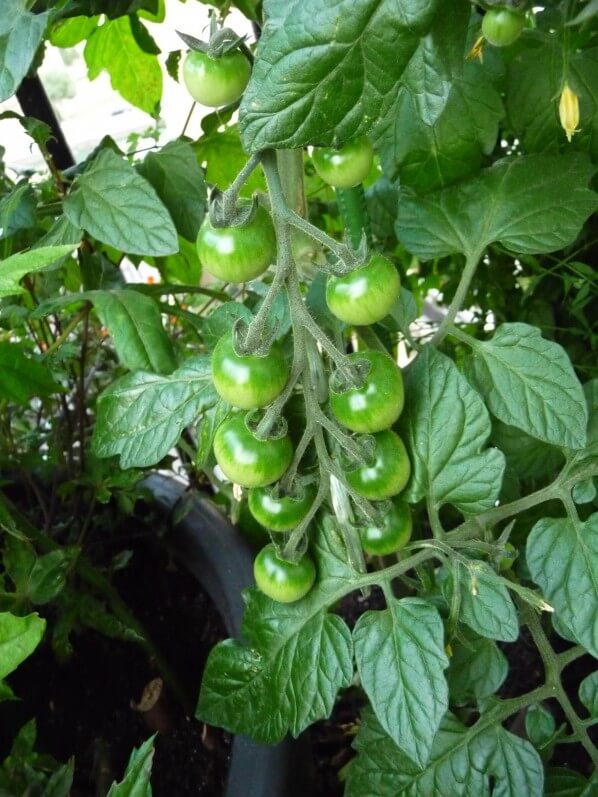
(480, 197)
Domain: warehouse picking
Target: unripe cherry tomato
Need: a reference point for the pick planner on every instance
(392, 534)
(389, 471)
(247, 460)
(346, 166)
(280, 513)
(241, 253)
(215, 82)
(280, 580)
(501, 26)
(366, 294)
(248, 381)
(375, 405)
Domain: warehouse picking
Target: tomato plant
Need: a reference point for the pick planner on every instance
(215, 82)
(484, 441)
(284, 582)
(501, 26)
(377, 403)
(246, 459)
(248, 381)
(388, 472)
(345, 166)
(238, 253)
(366, 294)
(391, 534)
(280, 512)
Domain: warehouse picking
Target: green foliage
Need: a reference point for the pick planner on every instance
(136, 782)
(485, 208)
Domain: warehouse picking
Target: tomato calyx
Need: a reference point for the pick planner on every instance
(353, 377)
(224, 213)
(276, 430)
(221, 42)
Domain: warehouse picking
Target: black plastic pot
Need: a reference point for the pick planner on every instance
(222, 561)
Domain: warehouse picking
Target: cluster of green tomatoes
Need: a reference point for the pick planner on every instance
(251, 381)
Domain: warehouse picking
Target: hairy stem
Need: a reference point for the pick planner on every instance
(469, 270)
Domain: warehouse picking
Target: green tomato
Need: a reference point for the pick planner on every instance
(215, 82)
(392, 535)
(247, 460)
(388, 473)
(280, 580)
(508, 560)
(241, 253)
(365, 295)
(280, 512)
(375, 405)
(502, 27)
(248, 381)
(346, 166)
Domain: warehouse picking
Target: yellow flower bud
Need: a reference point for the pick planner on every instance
(569, 111)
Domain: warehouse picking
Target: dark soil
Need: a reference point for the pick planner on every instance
(84, 707)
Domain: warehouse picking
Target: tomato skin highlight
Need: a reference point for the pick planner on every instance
(392, 535)
(346, 166)
(283, 513)
(238, 254)
(501, 26)
(247, 460)
(375, 405)
(389, 472)
(284, 582)
(215, 82)
(248, 381)
(365, 295)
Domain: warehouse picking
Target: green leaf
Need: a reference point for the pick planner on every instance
(22, 376)
(6, 693)
(477, 669)
(516, 766)
(61, 781)
(535, 81)
(530, 204)
(588, 693)
(61, 232)
(206, 429)
(562, 558)
(221, 154)
(590, 390)
(179, 182)
(38, 579)
(462, 762)
(400, 658)
(71, 31)
(527, 456)
(584, 492)
(136, 782)
(16, 266)
(445, 113)
(353, 51)
(446, 426)
(141, 416)
(118, 207)
(135, 325)
(486, 606)
(18, 210)
(529, 382)
(561, 782)
(540, 726)
(19, 636)
(220, 322)
(135, 73)
(93, 613)
(294, 660)
(21, 34)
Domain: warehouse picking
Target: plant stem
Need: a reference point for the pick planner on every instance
(471, 264)
(57, 343)
(553, 668)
